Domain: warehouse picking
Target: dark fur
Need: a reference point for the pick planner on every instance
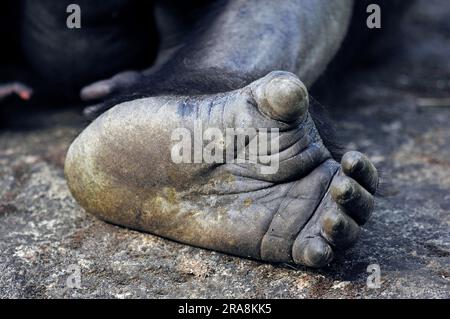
(116, 41)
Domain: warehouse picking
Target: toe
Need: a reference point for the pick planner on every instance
(312, 252)
(281, 96)
(352, 198)
(339, 229)
(361, 169)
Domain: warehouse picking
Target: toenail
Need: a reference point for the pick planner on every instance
(353, 162)
(333, 223)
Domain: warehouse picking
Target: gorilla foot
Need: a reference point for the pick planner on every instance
(121, 169)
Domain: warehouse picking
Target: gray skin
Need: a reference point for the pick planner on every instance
(120, 167)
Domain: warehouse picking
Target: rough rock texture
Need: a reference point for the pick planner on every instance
(387, 113)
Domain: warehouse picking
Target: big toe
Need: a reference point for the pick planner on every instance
(357, 166)
(281, 96)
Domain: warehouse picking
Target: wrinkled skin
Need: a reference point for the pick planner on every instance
(120, 169)
(223, 75)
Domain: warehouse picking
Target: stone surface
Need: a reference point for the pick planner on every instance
(395, 112)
